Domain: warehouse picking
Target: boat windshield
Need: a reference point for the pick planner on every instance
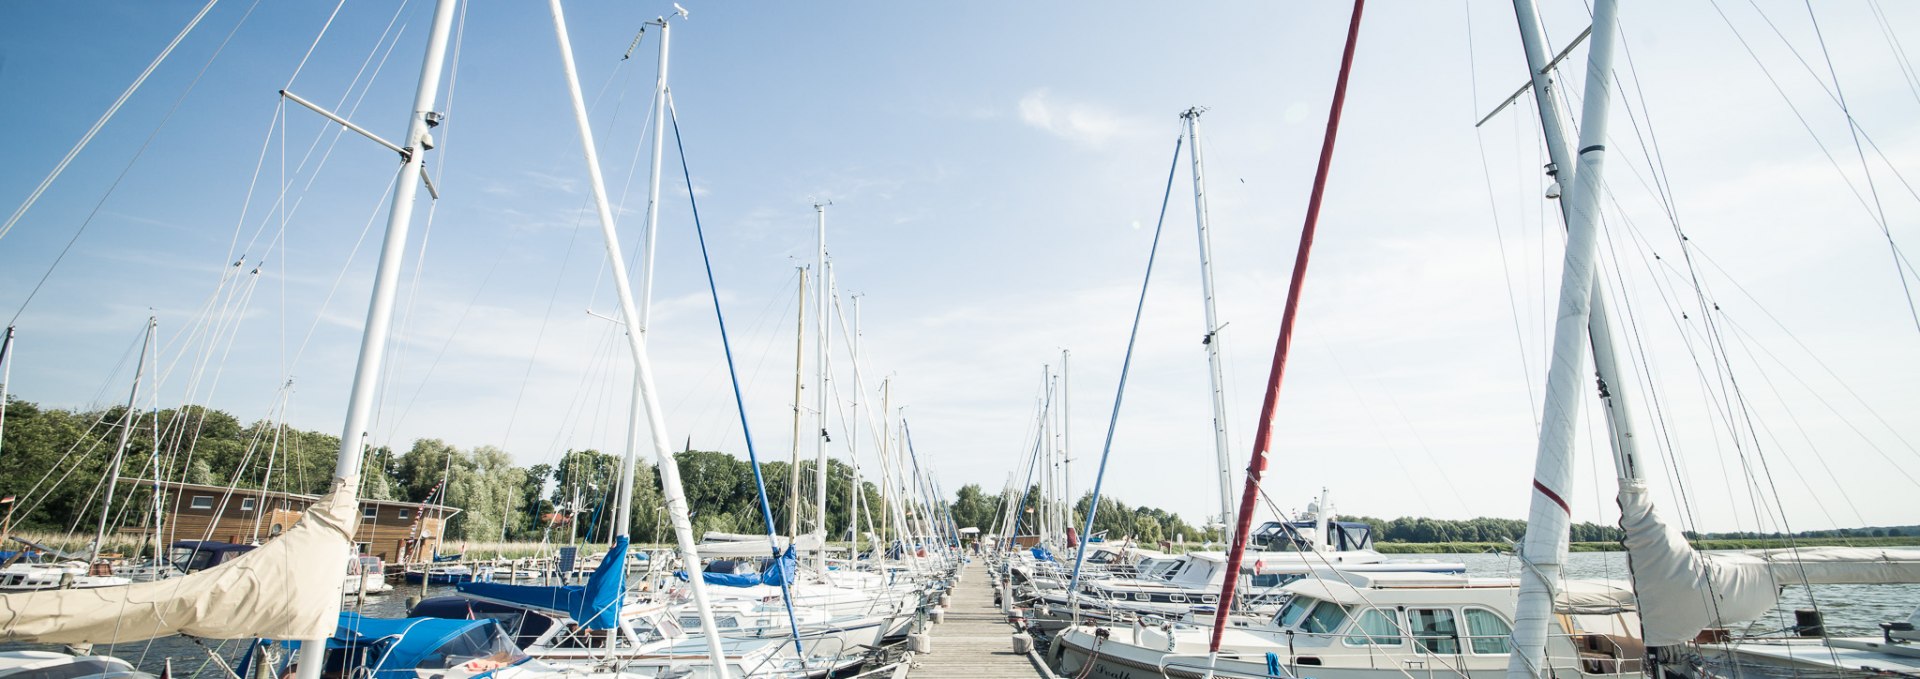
(1295, 609)
(483, 647)
(1324, 619)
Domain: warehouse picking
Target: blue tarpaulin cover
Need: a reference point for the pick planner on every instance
(1042, 554)
(595, 605)
(778, 573)
(391, 648)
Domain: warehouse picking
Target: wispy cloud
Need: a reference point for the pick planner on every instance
(1078, 122)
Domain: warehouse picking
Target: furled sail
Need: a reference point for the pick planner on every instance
(1683, 591)
(287, 589)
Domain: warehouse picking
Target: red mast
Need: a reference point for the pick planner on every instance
(1263, 435)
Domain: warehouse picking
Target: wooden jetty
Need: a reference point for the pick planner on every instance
(975, 641)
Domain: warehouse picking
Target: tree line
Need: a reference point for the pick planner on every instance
(56, 462)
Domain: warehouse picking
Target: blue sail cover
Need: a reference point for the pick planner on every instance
(1041, 554)
(595, 605)
(398, 645)
(393, 648)
(778, 573)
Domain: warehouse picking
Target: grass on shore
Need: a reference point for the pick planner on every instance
(1477, 547)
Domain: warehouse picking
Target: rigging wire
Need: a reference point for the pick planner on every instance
(1486, 173)
(1873, 188)
(104, 117)
(1126, 365)
(759, 482)
(124, 170)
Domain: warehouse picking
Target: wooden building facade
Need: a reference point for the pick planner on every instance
(392, 530)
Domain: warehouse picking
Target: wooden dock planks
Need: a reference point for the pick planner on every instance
(975, 642)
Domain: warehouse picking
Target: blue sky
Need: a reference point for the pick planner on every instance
(995, 172)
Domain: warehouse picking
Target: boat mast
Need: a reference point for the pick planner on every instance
(799, 357)
(853, 441)
(820, 385)
(126, 433)
(1212, 338)
(1615, 392)
(1066, 443)
(887, 503)
(644, 402)
(1544, 548)
(6, 375)
(373, 339)
(1263, 430)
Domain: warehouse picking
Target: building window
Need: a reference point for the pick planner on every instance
(202, 502)
(246, 504)
(403, 515)
(369, 512)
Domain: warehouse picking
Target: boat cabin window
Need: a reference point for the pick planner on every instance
(1375, 627)
(202, 502)
(1271, 580)
(1488, 631)
(1434, 630)
(1325, 618)
(1295, 609)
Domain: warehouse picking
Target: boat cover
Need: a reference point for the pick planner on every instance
(595, 605)
(289, 588)
(759, 546)
(1683, 591)
(778, 573)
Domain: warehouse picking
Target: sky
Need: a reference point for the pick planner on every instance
(996, 175)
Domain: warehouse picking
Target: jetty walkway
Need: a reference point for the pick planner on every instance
(975, 641)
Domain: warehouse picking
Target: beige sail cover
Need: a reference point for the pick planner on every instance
(1683, 591)
(286, 589)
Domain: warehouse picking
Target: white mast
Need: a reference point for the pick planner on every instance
(1616, 391)
(799, 358)
(373, 339)
(653, 177)
(644, 402)
(1212, 338)
(853, 437)
(1544, 549)
(1066, 442)
(820, 384)
(126, 433)
(6, 375)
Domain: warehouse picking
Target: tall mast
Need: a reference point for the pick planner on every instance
(853, 439)
(1066, 443)
(1616, 392)
(799, 357)
(373, 339)
(6, 375)
(1212, 338)
(820, 384)
(886, 471)
(653, 177)
(126, 433)
(1263, 429)
(644, 403)
(1049, 514)
(1544, 549)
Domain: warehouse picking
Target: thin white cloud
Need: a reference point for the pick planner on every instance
(1078, 122)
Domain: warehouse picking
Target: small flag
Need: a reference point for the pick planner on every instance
(6, 500)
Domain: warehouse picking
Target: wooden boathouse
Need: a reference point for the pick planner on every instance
(390, 529)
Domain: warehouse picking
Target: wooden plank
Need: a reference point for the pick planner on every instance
(975, 642)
